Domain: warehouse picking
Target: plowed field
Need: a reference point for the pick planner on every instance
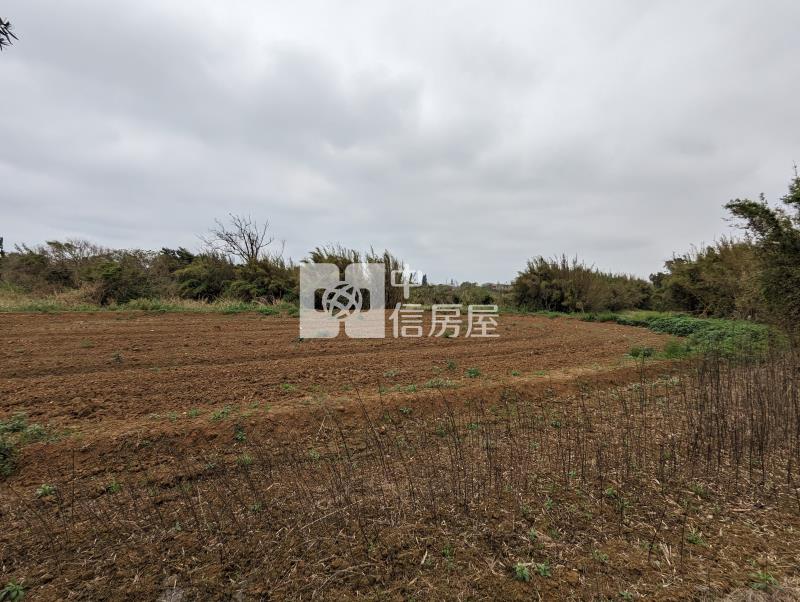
(100, 380)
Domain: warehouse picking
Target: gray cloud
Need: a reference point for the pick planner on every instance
(465, 137)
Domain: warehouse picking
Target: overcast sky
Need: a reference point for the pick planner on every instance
(464, 136)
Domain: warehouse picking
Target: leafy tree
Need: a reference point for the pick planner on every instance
(719, 280)
(776, 234)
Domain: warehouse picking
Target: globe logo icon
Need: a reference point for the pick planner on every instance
(342, 301)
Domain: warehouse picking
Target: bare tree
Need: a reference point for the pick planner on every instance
(5, 34)
(243, 238)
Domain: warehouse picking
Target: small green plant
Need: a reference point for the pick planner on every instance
(695, 538)
(451, 365)
(45, 490)
(221, 414)
(625, 595)
(12, 592)
(314, 455)
(675, 349)
(600, 556)
(439, 383)
(762, 581)
(244, 460)
(699, 490)
(516, 373)
(641, 352)
(116, 357)
(287, 387)
(521, 572)
(448, 552)
(542, 569)
(194, 413)
(390, 373)
(533, 535)
(473, 426)
(16, 424)
(113, 487)
(405, 411)
(8, 452)
(239, 434)
(473, 372)
(549, 504)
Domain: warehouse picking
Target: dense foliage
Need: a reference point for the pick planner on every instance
(776, 235)
(720, 280)
(237, 265)
(753, 278)
(567, 285)
(102, 276)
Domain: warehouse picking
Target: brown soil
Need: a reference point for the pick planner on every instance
(253, 465)
(105, 378)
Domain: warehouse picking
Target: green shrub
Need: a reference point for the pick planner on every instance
(270, 279)
(726, 337)
(719, 281)
(681, 326)
(675, 349)
(8, 453)
(12, 592)
(120, 278)
(205, 278)
(565, 285)
(16, 424)
(522, 572)
(45, 490)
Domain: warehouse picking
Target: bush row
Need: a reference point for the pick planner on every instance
(728, 337)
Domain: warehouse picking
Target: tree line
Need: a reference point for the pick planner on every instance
(755, 276)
